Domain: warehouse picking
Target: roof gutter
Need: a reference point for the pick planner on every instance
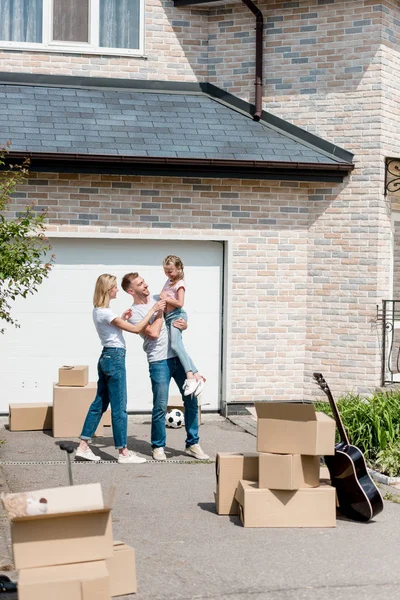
(181, 167)
(259, 57)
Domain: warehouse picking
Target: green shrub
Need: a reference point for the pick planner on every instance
(372, 423)
(388, 460)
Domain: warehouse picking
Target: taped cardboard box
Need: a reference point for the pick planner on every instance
(177, 402)
(70, 406)
(30, 417)
(288, 471)
(230, 468)
(83, 581)
(122, 569)
(77, 375)
(306, 507)
(294, 428)
(76, 528)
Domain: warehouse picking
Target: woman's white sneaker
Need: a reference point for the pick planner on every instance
(87, 455)
(130, 458)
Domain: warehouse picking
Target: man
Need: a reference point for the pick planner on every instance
(163, 365)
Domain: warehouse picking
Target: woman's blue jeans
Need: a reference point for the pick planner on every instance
(111, 389)
(161, 373)
(175, 336)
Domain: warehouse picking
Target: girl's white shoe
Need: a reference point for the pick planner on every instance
(190, 386)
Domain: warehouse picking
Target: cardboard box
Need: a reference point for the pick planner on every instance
(122, 569)
(70, 376)
(83, 581)
(306, 507)
(70, 407)
(177, 402)
(288, 471)
(76, 528)
(30, 417)
(294, 428)
(230, 468)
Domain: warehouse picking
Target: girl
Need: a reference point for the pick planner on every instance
(111, 386)
(173, 293)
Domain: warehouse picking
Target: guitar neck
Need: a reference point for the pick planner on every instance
(325, 388)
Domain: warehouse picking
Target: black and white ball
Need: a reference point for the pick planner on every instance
(174, 418)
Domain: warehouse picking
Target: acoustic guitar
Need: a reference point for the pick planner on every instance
(358, 497)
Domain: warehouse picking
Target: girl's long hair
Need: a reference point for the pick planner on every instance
(101, 296)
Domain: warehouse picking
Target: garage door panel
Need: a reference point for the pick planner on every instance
(57, 328)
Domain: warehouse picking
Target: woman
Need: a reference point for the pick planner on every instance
(111, 385)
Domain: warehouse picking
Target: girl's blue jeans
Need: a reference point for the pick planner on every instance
(111, 389)
(175, 336)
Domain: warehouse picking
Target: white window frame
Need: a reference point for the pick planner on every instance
(91, 47)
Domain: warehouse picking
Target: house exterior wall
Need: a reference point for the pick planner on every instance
(310, 261)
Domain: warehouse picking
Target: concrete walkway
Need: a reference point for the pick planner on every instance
(185, 551)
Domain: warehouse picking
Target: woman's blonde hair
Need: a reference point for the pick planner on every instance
(178, 264)
(101, 296)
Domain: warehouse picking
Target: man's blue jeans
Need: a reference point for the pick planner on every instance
(111, 389)
(161, 373)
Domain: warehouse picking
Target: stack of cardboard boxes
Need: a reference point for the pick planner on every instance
(280, 485)
(72, 396)
(68, 552)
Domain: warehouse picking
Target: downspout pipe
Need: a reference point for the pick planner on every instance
(259, 57)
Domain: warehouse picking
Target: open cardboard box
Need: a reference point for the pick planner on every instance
(306, 507)
(83, 581)
(230, 467)
(294, 428)
(76, 528)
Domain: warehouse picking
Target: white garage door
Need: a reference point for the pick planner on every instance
(57, 328)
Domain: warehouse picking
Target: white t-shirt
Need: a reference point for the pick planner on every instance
(160, 348)
(110, 335)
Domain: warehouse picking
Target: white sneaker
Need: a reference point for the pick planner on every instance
(197, 452)
(190, 386)
(200, 387)
(130, 458)
(86, 455)
(159, 454)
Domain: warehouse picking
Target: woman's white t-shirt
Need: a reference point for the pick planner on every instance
(110, 335)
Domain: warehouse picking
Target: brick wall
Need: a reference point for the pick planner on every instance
(268, 223)
(175, 47)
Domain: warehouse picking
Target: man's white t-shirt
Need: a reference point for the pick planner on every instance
(160, 348)
(110, 335)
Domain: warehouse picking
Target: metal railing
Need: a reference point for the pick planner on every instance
(388, 315)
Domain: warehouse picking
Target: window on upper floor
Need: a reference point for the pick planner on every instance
(84, 26)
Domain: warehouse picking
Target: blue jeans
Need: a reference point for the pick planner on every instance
(111, 389)
(161, 373)
(175, 336)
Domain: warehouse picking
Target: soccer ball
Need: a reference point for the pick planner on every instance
(174, 418)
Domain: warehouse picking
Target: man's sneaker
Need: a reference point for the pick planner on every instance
(197, 452)
(86, 455)
(130, 458)
(159, 454)
(190, 386)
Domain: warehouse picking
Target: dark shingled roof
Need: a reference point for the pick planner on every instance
(134, 123)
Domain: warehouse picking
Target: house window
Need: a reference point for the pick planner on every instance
(84, 26)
